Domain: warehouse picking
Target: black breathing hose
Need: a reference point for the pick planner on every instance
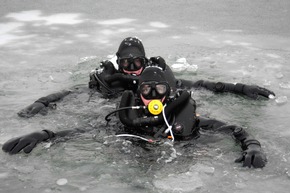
(103, 84)
(121, 109)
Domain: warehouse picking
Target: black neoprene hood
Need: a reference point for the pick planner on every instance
(152, 73)
(131, 47)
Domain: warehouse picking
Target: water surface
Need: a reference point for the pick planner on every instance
(46, 46)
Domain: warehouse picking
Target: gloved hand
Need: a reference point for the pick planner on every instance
(31, 110)
(159, 61)
(252, 155)
(254, 91)
(108, 67)
(26, 142)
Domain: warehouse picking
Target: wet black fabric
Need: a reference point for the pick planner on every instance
(151, 74)
(131, 47)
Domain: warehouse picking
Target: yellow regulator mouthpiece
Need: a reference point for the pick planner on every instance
(155, 107)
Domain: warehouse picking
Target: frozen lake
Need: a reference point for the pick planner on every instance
(47, 46)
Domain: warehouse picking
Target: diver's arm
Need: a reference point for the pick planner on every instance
(122, 78)
(110, 74)
(98, 75)
(41, 103)
(110, 82)
(252, 91)
(53, 97)
(26, 142)
(29, 141)
(105, 79)
(252, 154)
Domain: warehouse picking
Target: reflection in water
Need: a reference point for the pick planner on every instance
(36, 16)
(16, 31)
(158, 24)
(119, 21)
(6, 31)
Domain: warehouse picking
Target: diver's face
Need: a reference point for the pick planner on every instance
(153, 90)
(133, 66)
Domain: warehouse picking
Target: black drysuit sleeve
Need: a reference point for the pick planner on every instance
(251, 91)
(252, 154)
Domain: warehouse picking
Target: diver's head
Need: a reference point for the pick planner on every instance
(131, 56)
(153, 85)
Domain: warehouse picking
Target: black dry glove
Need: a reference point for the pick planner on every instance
(26, 142)
(108, 67)
(31, 110)
(42, 102)
(98, 77)
(158, 61)
(252, 154)
(253, 91)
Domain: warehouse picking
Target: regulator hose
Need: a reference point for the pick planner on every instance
(121, 109)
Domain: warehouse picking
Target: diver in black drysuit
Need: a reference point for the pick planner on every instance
(179, 115)
(122, 73)
(159, 110)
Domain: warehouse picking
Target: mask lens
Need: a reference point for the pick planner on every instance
(153, 90)
(132, 64)
(145, 89)
(161, 89)
(124, 63)
(138, 63)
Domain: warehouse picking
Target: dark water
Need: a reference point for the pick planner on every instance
(46, 46)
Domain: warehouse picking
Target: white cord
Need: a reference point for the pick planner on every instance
(166, 122)
(136, 136)
(169, 129)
